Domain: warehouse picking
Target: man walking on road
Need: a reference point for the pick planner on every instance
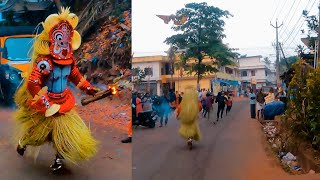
(252, 100)
(221, 100)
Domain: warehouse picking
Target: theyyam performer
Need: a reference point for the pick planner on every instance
(46, 111)
(187, 114)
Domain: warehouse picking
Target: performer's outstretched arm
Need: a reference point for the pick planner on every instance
(77, 79)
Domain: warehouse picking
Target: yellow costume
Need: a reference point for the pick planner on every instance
(187, 113)
(44, 113)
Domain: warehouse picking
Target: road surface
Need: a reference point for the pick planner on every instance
(234, 149)
(113, 160)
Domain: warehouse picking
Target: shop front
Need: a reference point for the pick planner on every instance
(218, 85)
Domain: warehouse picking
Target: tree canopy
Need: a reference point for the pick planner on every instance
(312, 24)
(283, 66)
(200, 36)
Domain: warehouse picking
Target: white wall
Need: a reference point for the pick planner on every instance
(255, 63)
(259, 75)
(156, 68)
(250, 61)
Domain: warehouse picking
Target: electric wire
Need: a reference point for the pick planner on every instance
(275, 9)
(298, 23)
(287, 24)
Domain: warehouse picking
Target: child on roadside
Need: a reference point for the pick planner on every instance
(229, 105)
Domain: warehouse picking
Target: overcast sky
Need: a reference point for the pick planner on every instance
(249, 29)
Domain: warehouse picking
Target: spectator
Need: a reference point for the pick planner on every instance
(208, 105)
(229, 105)
(221, 100)
(147, 102)
(252, 100)
(260, 104)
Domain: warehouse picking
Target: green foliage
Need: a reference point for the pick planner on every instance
(290, 60)
(201, 35)
(120, 6)
(267, 60)
(138, 74)
(312, 24)
(304, 103)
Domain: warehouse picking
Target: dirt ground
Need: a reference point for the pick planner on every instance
(107, 120)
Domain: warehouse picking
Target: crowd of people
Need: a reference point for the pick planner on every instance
(260, 99)
(172, 103)
(187, 106)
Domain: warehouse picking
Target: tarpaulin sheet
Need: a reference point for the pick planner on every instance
(273, 109)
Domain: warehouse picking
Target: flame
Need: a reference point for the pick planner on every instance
(114, 90)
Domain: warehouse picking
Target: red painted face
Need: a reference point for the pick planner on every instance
(60, 38)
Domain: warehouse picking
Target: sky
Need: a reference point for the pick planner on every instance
(249, 29)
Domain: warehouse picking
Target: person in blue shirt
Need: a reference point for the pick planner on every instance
(164, 109)
(252, 99)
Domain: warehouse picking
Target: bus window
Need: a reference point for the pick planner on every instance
(18, 49)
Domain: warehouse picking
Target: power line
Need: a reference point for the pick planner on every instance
(294, 27)
(296, 24)
(275, 9)
(285, 32)
(286, 16)
(281, 8)
(287, 25)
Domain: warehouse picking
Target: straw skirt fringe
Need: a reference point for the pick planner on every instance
(68, 133)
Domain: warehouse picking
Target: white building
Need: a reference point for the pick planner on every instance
(154, 80)
(255, 73)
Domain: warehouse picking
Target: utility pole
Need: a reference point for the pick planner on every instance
(277, 52)
(284, 57)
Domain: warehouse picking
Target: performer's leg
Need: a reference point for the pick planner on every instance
(21, 148)
(58, 163)
(189, 142)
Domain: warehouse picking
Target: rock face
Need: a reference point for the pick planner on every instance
(106, 52)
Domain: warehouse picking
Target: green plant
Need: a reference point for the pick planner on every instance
(138, 74)
(304, 104)
(313, 94)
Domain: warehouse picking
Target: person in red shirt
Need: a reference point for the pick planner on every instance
(229, 105)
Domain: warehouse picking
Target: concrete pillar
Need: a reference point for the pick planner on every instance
(159, 88)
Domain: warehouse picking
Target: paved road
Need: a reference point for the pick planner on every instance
(234, 149)
(113, 160)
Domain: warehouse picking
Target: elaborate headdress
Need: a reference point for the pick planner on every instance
(59, 37)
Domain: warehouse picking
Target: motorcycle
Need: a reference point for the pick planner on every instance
(145, 118)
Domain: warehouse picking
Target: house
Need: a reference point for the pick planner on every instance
(161, 79)
(255, 73)
(153, 82)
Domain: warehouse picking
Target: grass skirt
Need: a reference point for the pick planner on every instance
(190, 130)
(68, 133)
